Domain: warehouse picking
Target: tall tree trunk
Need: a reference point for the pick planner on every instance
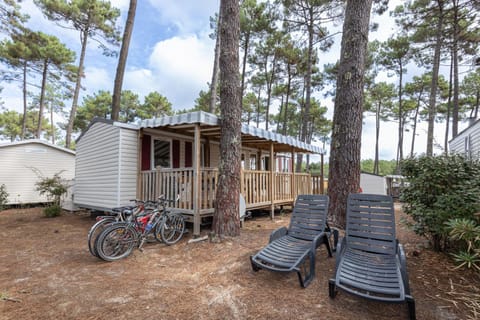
(414, 131)
(244, 63)
(226, 219)
(434, 85)
(456, 107)
(344, 171)
(308, 86)
(287, 99)
(400, 117)
(42, 99)
(76, 92)
(377, 135)
(24, 89)
(51, 123)
(449, 106)
(215, 72)
(122, 60)
(269, 92)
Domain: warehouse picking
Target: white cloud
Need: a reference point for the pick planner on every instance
(186, 15)
(96, 79)
(182, 67)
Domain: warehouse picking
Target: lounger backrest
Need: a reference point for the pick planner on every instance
(309, 216)
(371, 223)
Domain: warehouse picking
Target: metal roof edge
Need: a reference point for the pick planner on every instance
(38, 141)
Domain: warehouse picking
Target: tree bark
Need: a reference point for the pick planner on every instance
(377, 136)
(226, 219)
(400, 117)
(122, 60)
(76, 93)
(434, 85)
(456, 106)
(42, 100)
(24, 91)
(344, 171)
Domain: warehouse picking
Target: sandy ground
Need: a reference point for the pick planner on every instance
(47, 272)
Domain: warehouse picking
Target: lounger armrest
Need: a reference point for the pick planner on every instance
(403, 266)
(278, 233)
(317, 241)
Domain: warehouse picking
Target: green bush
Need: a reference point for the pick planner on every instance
(53, 187)
(440, 188)
(3, 196)
(52, 211)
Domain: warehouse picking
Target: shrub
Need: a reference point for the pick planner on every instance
(52, 211)
(53, 187)
(3, 196)
(440, 188)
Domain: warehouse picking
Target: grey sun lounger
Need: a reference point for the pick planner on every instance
(370, 262)
(293, 249)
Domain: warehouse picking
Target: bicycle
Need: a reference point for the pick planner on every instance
(120, 214)
(172, 228)
(118, 240)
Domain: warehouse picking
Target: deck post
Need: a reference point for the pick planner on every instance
(322, 187)
(196, 183)
(272, 181)
(294, 184)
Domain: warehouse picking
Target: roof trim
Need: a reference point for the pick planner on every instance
(107, 121)
(37, 141)
(470, 126)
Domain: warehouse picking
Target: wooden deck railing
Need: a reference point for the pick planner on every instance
(255, 187)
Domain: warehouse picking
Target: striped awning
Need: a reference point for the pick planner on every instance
(251, 136)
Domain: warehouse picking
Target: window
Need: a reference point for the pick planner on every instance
(161, 153)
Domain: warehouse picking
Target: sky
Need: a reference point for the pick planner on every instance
(171, 52)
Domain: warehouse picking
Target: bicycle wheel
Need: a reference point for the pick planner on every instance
(116, 242)
(95, 231)
(173, 228)
(158, 228)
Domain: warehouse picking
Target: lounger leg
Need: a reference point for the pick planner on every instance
(411, 307)
(335, 239)
(309, 270)
(327, 243)
(254, 266)
(331, 288)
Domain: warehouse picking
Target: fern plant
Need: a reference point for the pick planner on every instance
(467, 233)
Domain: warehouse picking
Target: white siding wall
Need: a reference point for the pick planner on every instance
(97, 167)
(128, 166)
(16, 169)
(467, 140)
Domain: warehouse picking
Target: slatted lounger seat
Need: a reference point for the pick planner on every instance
(293, 249)
(370, 262)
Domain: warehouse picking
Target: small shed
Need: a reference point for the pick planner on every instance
(372, 183)
(106, 165)
(22, 162)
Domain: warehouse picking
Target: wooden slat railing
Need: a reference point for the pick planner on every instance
(283, 186)
(255, 186)
(170, 183)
